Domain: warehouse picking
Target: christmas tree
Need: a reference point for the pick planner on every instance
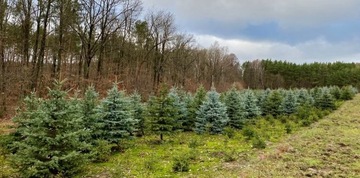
(235, 109)
(51, 133)
(161, 113)
(138, 112)
(212, 115)
(250, 103)
(116, 116)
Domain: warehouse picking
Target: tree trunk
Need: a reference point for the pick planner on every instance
(3, 22)
(40, 62)
(60, 40)
(26, 27)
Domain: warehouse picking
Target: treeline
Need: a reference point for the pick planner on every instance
(263, 74)
(55, 135)
(98, 42)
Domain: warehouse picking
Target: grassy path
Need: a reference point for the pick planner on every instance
(328, 148)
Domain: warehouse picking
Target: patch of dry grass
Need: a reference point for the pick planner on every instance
(328, 148)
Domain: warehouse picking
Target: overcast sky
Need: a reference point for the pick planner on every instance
(293, 30)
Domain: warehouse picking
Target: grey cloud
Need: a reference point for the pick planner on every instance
(288, 13)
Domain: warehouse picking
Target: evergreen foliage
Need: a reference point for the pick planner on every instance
(197, 101)
(117, 120)
(262, 99)
(137, 113)
(289, 104)
(50, 132)
(335, 92)
(252, 110)
(179, 107)
(212, 115)
(325, 100)
(235, 109)
(90, 113)
(304, 98)
(188, 121)
(273, 103)
(160, 113)
(347, 93)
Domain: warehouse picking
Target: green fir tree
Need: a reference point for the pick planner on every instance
(197, 101)
(235, 109)
(90, 113)
(250, 102)
(51, 135)
(138, 113)
(212, 115)
(180, 110)
(117, 119)
(289, 104)
(273, 104)
(160, 113)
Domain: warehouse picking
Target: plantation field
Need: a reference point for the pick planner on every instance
(328, 148)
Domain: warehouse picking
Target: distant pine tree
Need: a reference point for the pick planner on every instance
(211, 115)
(51, 135)
(235, 109)
(160, 113)
(117, 120)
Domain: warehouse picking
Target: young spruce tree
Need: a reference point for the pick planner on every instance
(138, 113)
(212, 115)
(51, 135)
(273, 103)
(90, 112)
(289, 104)
(180, 110)
(161, 113)
(235, 109)
(194, 106)
(251, 107)
(117, 120)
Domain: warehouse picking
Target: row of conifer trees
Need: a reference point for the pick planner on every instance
(54, 135)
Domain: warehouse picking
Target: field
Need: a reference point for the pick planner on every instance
(328, 148)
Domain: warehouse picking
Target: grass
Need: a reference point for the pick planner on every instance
(148, 158)
(328, 148)
(5, 167)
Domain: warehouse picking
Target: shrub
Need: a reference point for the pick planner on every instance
(181, 164)
(194, 143)
(230, 156)
(229, 132)
(258, 143)
(151, 164)
(248, 133)
(101, 151)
